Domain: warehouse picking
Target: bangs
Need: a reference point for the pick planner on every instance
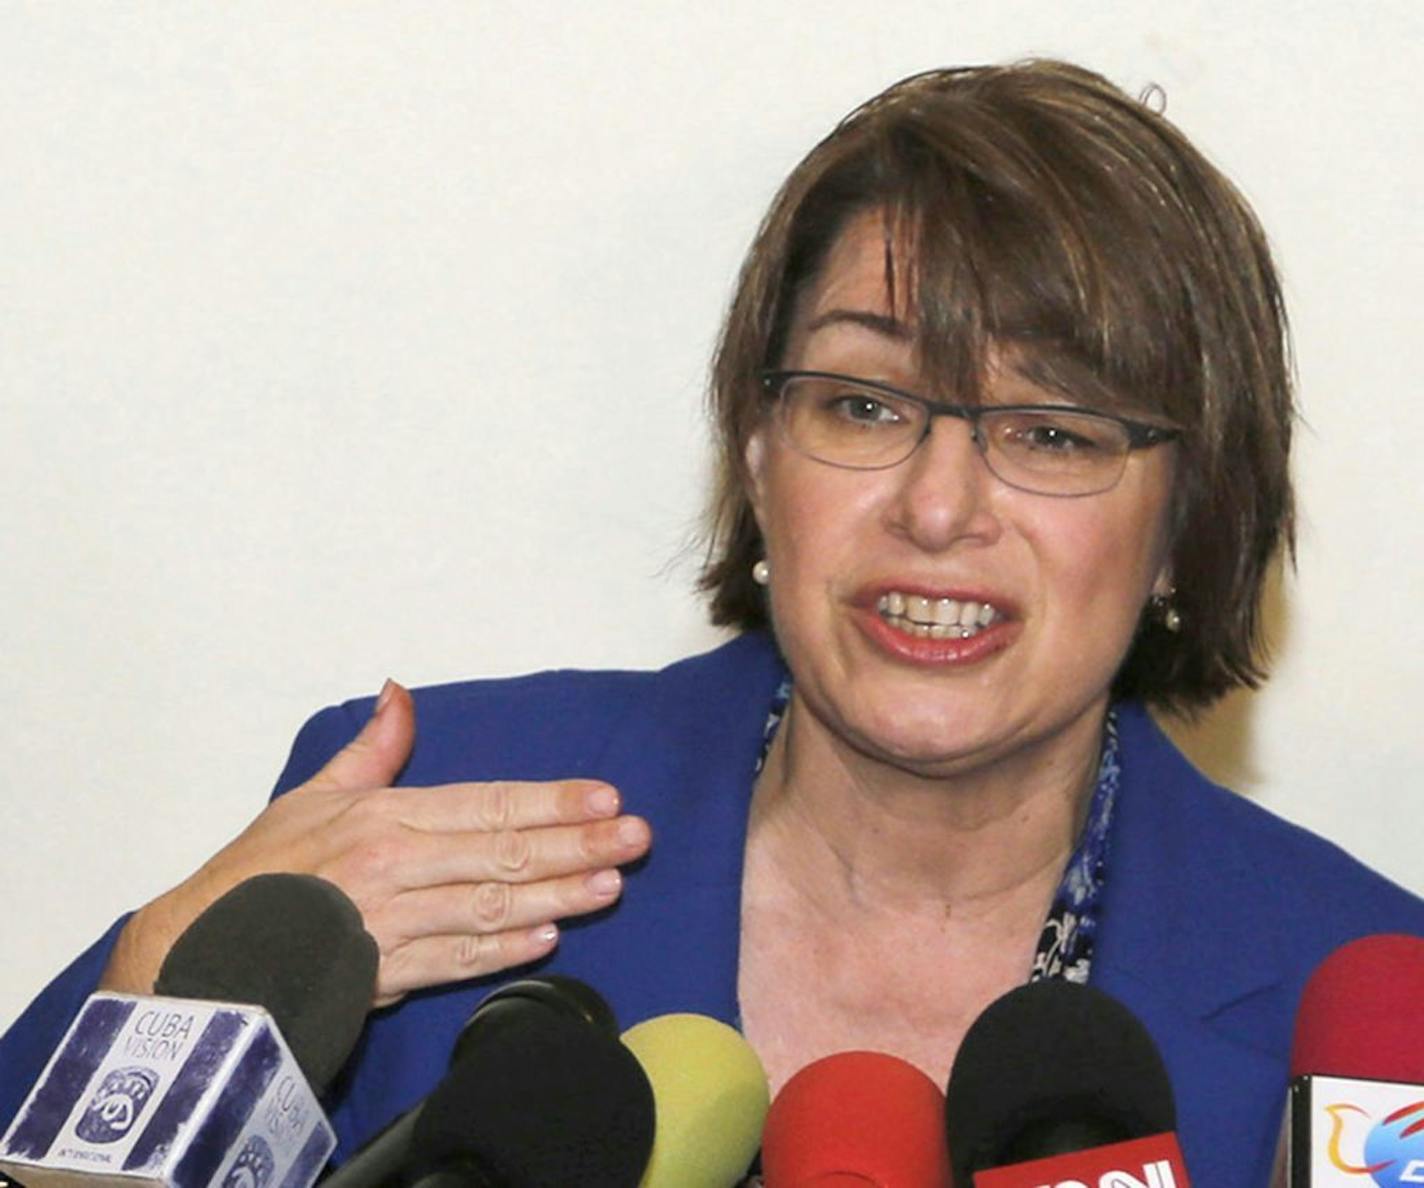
(996, 248)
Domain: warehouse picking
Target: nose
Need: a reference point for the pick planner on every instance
(945, 490)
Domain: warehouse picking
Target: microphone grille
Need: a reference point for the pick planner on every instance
(857, 1114)
(1051, 1062)
(292, 944)
(1359, 1013)
(544, 1100)
(711, 1095)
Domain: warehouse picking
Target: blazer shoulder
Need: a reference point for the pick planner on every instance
(1315, 881)
(1218, 903)
(541, 725)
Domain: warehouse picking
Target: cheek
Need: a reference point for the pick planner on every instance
(1103, 566)
(814, 519)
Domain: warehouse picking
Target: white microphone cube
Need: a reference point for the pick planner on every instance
(169, 1093)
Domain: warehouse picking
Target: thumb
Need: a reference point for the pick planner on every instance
(374, 757)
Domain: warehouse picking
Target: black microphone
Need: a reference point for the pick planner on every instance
(292, 944)
(540, 1092)
(1051, 1071)
(210, 1080)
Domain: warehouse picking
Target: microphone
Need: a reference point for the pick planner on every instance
(856, 1120)
(294, 945)
(710, 1095)
(210, 1081)
(1356, 1111)
(1059, 1083)
(539, 1092)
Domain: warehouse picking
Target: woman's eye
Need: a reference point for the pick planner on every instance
(1055, 438)
(1059, 435)
(861, 409)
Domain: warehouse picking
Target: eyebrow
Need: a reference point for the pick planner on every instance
(883, 324)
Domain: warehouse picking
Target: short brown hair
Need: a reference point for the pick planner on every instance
(1045, 207)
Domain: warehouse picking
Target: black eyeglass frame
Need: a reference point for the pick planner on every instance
(1140, 434)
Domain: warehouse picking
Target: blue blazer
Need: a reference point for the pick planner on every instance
(1214, 912)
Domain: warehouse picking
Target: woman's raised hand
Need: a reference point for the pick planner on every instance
(453, 881)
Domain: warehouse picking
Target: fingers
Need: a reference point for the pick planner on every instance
(435, 960)
(375, 756)
(516, 855)
(505, 804)
(488, 908)
(467, 931)
(485, 902)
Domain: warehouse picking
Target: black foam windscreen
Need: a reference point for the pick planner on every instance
(292, 944)
(550, 1102)
(1049, 1068)
(534, 998)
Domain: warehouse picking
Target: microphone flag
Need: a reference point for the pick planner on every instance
(169, 1092)
(1350, 1132)
(1151, 1162)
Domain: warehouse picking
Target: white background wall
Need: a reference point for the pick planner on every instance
(345, 340)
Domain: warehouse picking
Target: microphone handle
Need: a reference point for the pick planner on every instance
(379, 1162)
(460, 1173)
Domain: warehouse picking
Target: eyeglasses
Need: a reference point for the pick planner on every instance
(1046, 449)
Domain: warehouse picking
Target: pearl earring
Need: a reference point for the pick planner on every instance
(761, 572)
(1165, 611)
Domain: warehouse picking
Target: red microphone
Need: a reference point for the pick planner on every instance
(853, 1120)
(1356, 1110)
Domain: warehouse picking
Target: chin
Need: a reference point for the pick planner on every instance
(930, 741)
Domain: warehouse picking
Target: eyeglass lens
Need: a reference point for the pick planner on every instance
(1049, 452)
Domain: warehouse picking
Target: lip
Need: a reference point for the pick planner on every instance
(869, 595)
(911, 649)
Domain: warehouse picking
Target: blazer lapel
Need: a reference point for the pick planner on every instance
(685, 761)
(1191, 940)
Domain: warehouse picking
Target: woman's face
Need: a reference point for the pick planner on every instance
(1066, 577)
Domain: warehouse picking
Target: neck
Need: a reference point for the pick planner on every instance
(856, 827)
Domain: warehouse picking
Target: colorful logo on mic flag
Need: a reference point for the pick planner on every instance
(1392, 1153)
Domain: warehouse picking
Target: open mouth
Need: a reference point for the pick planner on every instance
(935, 618)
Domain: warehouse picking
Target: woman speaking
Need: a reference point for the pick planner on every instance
(1004, 420)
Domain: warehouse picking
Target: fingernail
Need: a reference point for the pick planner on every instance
(602, 801)
(604, 882)
(545, 934)
(632, 832)
(384, 699)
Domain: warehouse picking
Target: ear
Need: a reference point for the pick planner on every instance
(755, 458)
(1163, 586)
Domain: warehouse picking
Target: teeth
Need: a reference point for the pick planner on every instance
(946, 611)
(938, 618)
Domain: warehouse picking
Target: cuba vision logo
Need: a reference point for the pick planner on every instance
(116, 1104)
(253, 1167)
(1393, 1147)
